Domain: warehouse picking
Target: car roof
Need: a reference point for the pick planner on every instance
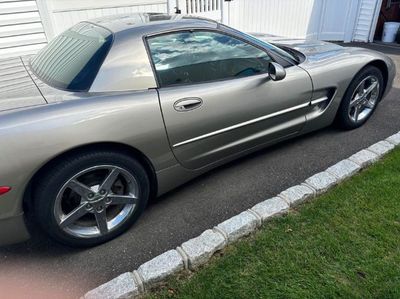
(149, 23)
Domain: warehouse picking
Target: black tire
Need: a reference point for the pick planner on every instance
(343, 118)
(49, 184)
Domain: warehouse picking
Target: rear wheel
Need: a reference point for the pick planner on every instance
(91, 198)
(361, 98)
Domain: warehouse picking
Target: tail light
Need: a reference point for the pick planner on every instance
(4, 189)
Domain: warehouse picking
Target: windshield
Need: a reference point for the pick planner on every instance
(71, 60)
(277, 50)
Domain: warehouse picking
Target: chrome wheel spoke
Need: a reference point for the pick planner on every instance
(370, 104)
(101, 220)
(361, 89)
(355, 101)
(122, 199)
(371, 88)
(356, 113)
(364, 99)
(79, 188)
(110, 180)
(75, 215)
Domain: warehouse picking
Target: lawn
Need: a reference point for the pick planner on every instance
(345, 244)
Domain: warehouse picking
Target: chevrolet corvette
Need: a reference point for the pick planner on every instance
(118, 110)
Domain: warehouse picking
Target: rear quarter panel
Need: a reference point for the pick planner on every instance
(32, 137)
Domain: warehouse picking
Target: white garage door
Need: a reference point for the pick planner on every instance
(21, 29)
(337, 20)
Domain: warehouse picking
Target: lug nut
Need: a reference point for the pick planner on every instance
(102, 192)
(99, 209)
(90, 195)
(88, 206)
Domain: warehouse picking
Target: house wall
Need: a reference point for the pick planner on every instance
(333, 20)
(27, 25)
(65, 13)
(284, 18)
(21, 28)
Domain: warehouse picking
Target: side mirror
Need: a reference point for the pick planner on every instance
(276, 71)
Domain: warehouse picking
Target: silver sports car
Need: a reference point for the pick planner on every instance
(117, 110)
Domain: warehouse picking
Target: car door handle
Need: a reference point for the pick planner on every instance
(187, 104)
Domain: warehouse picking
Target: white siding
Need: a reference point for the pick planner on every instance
(23, 23)
(21, 29)
(365, 21)
(279, 17)
(314, 19)
(67, 13)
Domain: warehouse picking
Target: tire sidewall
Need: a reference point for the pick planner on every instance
(51, 183)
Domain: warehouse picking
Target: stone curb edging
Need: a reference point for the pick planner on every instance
(198, 251)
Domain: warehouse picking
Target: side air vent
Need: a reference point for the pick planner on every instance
(320, 102)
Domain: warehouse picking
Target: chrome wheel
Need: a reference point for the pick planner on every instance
(364, 99)
(96, 201)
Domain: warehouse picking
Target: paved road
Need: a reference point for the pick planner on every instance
(189, 210)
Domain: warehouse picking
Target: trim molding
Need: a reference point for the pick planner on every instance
(317, 101)
(243, 124)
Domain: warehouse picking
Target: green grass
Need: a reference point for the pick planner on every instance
(344, 244)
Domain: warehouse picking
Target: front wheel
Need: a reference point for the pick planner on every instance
(361, 98)
(91, 198)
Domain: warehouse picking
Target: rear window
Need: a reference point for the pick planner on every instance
(71, 60)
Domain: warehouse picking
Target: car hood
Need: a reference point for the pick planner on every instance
(312, 49)
(20, 88)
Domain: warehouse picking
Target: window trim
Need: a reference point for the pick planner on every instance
(191, 29)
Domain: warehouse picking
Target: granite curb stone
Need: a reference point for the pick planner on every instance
(394, 139)
(322, 181)
(239, 226)
(297, 194)
(364, 158)
(381, 148)
(160, 267)
(275, 206)
(344, 169)
(200, 249)
(121, 287)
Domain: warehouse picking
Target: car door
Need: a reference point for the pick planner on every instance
(217, 99)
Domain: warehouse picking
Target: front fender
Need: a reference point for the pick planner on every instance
(334, 72)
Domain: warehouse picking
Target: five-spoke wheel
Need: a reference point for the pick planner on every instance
(364, 99)
(361, 98)
(96, 200)
(91, 198)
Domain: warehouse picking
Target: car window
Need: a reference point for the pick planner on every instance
(71, 60)
(278, 50)
(204, 56)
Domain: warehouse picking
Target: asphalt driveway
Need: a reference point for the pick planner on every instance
(192, 208)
